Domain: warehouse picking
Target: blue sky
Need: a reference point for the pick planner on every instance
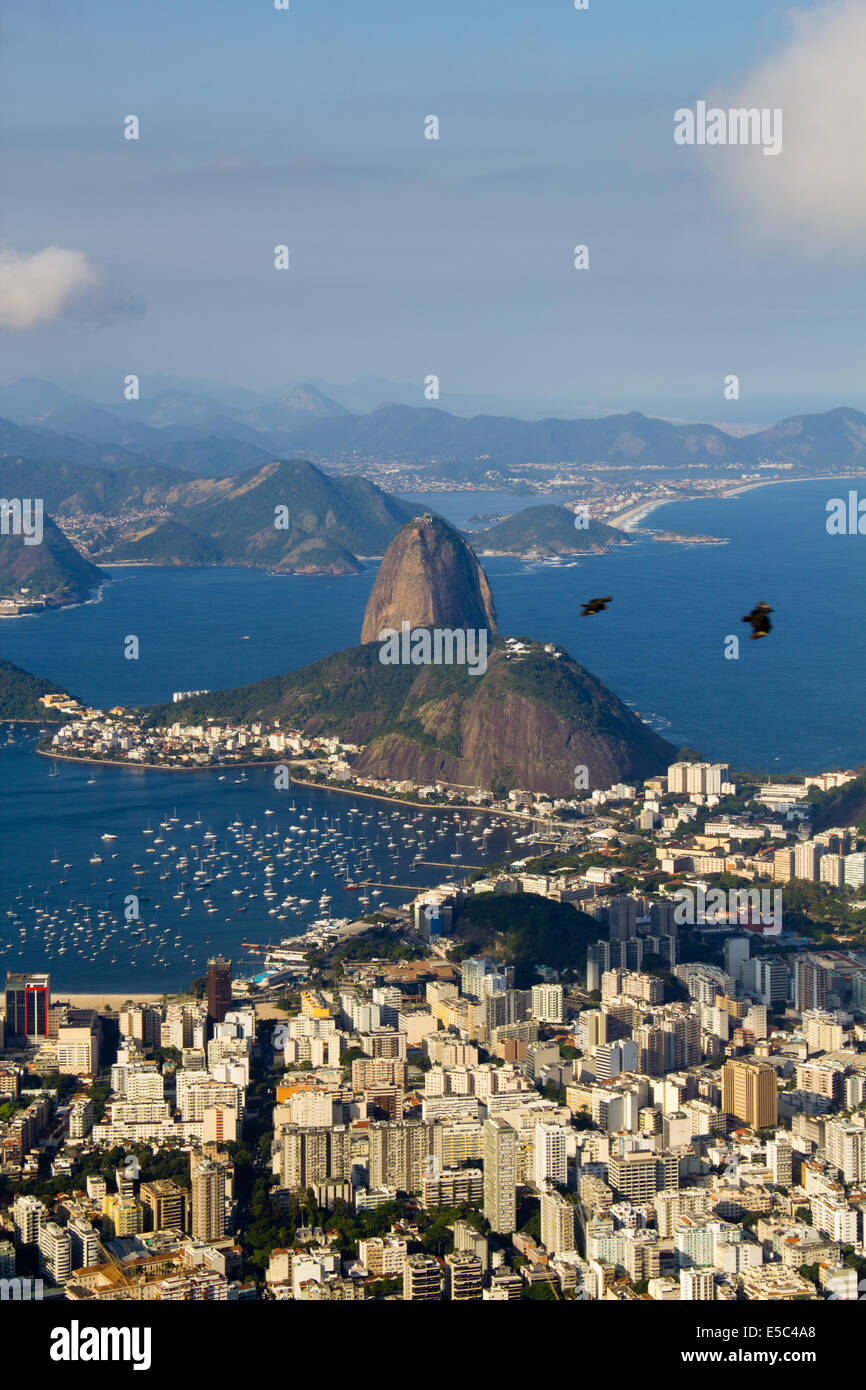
(453, 256)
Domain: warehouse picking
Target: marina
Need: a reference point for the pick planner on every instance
(144, 878)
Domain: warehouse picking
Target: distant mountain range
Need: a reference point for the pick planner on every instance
(469, 450)
(176, 429)
(184, 478)
(195, 432)
(286, 515)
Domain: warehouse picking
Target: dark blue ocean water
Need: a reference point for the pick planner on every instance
(792, 700)
(64, 887)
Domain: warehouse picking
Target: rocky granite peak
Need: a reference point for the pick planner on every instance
(429, 577)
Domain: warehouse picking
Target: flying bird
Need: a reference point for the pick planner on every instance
(596, 605)
(760, 620)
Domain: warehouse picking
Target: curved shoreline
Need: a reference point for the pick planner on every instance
(421, 805)
(151, 767)
(628, 520)
(294, 782)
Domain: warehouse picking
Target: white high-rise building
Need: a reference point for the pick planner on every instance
(855, 870)
(698, 779)
(715, 776)
(55, 1252)
(137, 1081)
(550, 1159)
(548, 1003)
(845, 1146)
(780, 1160)
(208, 1201)
(807, 857)
(610, 1059)
(677, 777)
(771, 980)
(756, 1020)
(737, 949)
(500, 1174)
(557, 1223)
(832, 870)
(28, 1218)
(836, 1217)
(697, 1286)
(84, 1240)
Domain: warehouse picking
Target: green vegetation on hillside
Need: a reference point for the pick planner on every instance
(403, 714)
(568, 691)
(20, 693)
(326, 697)
(285, 514)
(526, 930)
(546, 530)
(53, 569)
(845, 805)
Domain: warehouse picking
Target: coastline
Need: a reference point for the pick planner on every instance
(419, 805)
(630, 520)
(95, 597)
(294, 782)
(153, 767)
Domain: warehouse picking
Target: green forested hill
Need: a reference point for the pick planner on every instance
(526, 722)
(20, 692)
(547, 530)
(526, 930)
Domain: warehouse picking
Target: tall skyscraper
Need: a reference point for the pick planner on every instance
(610, 1059)
(219, 988)
(771, 980)
(750, 1092)
(807, 857)
(28, 1217)
(480, 977)
(557, 1223)
(467, 1238)
(831, 870)
(500, 1168)
(166, 1203)
(780, 1156)
(208, 1201)
(548, 1003)
(622, 918)
(854, 866)
(55, 1252)
(810, 984)
(698, 778)
(550, 1155)
(598, 957)
(736, 954)
(28, 1000)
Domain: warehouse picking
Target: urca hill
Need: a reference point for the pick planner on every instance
(528, 719)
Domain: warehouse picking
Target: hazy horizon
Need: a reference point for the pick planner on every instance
(453, 257)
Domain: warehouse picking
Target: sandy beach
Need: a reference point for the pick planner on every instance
(631, 519)
(105, 1000)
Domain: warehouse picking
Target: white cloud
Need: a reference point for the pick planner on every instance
(37, 289)
(814, 193)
